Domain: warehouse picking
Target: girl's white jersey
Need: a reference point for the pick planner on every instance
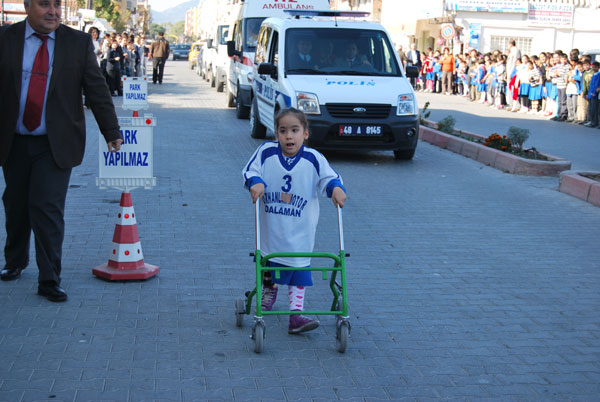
(289, 209)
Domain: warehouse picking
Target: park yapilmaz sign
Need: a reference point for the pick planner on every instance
(132, 165)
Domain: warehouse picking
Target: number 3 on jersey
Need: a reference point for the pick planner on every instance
(288, 183)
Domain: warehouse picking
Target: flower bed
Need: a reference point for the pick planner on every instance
(467, 144)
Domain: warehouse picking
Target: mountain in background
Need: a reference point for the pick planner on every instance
(173, 14)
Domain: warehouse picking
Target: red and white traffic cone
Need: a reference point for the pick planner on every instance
(126, 261)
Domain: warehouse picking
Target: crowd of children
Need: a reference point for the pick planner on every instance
(559, 86)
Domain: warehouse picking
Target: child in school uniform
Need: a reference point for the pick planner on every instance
(535, 86)
(480, 78)
(523, 74)
(287, 177)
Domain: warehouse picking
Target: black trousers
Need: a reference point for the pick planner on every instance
(34, 199)
(158, 68)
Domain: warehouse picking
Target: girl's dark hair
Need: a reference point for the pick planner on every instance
(294, 112)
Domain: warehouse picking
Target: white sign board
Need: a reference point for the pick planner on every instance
(550, 14)
(132, 165)
(135, 93)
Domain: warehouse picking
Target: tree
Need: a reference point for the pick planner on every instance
(178, 28)
(107, 9)
(156, 28)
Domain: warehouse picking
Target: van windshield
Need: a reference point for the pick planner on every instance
(339, 51)
(251, 27)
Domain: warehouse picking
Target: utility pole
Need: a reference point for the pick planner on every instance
(2, 21)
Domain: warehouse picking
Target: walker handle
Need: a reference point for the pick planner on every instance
(340, 227)
(257, 224)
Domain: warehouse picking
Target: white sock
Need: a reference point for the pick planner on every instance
(296, 294)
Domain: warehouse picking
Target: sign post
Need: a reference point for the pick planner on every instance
(129, 168)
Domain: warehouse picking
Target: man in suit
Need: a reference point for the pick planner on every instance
(303, 58)
(44, 67)
(413, 58)
(159, 53)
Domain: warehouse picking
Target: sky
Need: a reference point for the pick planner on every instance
(161, 5)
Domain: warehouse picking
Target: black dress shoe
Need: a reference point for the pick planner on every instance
(51, 291)
(10, 273)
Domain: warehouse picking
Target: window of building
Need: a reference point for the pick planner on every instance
(501, 43)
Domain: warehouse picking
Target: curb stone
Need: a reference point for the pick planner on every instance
(573, 182)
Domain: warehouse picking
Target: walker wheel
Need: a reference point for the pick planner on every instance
(339, 307)
(341, 337)
(258, 334)
(240, 311)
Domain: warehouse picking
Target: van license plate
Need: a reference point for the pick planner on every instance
(351, 130)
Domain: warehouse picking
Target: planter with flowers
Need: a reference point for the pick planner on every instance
(503, 152)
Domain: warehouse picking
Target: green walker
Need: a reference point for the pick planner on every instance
(339, 305)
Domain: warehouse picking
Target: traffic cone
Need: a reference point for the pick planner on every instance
(126, 261)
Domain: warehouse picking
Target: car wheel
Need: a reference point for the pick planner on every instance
(241, 111)
(257, 130)
(220, 85)
(230, 99)
(212, 79)
(404, 154)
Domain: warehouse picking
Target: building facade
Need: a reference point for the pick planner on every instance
(485, 25)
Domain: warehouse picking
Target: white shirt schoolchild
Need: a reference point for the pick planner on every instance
(289, 208)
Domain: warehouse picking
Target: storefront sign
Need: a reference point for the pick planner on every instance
(492, 6)
(550, 14)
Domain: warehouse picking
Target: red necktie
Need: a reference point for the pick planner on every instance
(32, 118)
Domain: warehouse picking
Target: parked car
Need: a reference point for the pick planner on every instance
(199, 62)
(180, 51)
(193, 54)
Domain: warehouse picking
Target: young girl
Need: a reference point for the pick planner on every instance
(428, 68)
(287, 178)
(481, 85)
(523, 74)
(535, 89)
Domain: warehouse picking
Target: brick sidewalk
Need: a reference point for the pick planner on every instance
(465, 283)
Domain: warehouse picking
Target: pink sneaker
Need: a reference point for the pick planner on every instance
(269, 295)
(300, 323)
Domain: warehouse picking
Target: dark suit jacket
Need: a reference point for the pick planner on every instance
(74, 69)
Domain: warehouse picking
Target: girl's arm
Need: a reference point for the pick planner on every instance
(252, 174)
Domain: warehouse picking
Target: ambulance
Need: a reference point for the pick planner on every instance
(243, 45)
(344, 73)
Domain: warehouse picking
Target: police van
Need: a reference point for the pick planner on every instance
(243, 45)
(344, 73)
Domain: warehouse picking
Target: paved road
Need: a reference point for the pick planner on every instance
(465, 283)
(579, 144)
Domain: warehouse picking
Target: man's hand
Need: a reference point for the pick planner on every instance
(338, 196)
(115, 145)
(257, 191)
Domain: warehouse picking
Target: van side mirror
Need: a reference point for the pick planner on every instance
(412, 71)
(231, 49)
(267, 69)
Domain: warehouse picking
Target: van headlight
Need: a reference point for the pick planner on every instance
(406, 105)
(308, 103)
